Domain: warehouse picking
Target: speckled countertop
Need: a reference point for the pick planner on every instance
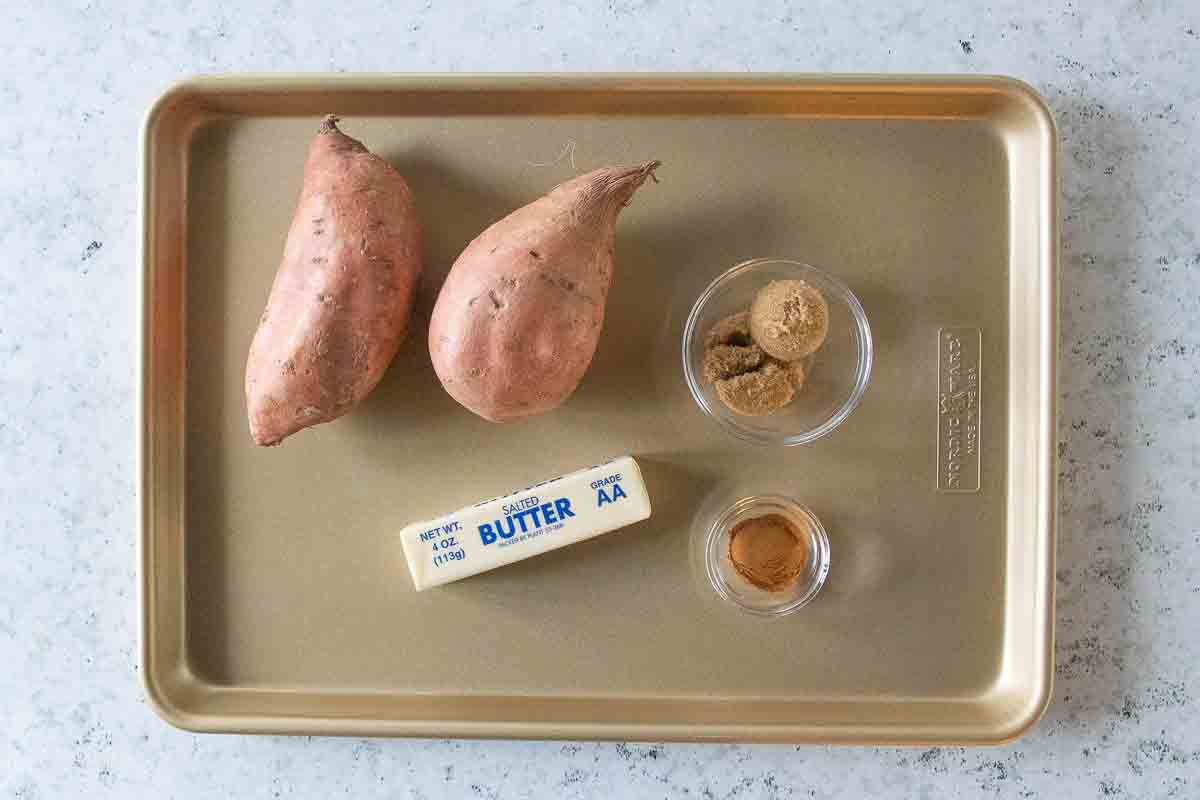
(74, 82)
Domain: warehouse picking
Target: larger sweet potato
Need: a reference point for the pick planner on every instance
(517, 321)
(342, 297)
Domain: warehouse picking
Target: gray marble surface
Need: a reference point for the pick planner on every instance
(75, 79)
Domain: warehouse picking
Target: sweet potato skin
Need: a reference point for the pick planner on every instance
(517, 321)
(342, 297)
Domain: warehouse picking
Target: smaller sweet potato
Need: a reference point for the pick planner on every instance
(517, 322)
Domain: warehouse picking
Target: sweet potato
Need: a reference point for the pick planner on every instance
(343, 294)
(517, 321)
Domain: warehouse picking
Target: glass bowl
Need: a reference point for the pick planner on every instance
(836, 375)
(730, 584)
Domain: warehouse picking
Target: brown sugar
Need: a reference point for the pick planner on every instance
(723, 361)
(734, 330)
(757, 393)
(746, 379)
(789, 319)
(768, 551)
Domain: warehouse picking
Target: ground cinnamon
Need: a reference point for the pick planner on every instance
(769, 551)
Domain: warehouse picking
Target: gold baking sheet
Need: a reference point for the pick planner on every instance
(274, 595)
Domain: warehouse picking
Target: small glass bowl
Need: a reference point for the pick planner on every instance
(745, 595)
(836, 375)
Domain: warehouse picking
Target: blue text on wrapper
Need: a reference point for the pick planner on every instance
(527, 519)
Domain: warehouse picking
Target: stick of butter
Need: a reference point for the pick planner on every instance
(528, 522)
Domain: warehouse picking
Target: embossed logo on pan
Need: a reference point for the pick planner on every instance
(958, 409)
